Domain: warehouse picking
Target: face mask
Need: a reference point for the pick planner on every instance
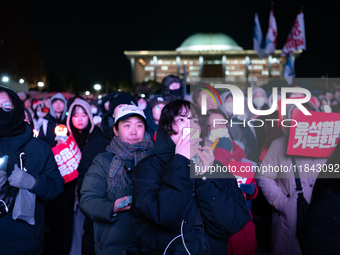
(229, 107)
(94, 110)
(4, 116)
(218, 133)
(176, 92)
(142, 106)
(259, 101)
(39, 114)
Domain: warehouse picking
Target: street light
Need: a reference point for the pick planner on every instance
(21, 81)
(40, 85)
(97, 87)
(87, 93)
(5, 79)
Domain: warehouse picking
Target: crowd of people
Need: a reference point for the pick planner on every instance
(138, 190)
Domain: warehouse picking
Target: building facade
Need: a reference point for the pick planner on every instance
(206, 55)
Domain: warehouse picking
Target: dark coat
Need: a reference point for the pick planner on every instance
(164, 196)
(16, 236)
(97, 144)
(321, 233)
(152, 126)
(60, 213)
(113, 232)
(100, 140)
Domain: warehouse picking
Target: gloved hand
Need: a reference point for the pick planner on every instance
(248, 188)
(3, 178)
(225, 143)
(21, 179)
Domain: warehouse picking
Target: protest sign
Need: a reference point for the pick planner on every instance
(315, 135)
(67, 155)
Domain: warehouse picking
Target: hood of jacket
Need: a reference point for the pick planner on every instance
(10, 145)
(87, 108)
(258, 89)
(12, 122)
(289, 113)
(149, 118)
(168, 94)
(163, 147)
(62, 98)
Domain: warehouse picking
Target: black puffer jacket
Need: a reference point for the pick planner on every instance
(94, 146)
(112, 232)
(152, 126)
(164, 196)
(321, 231)
(17, 236)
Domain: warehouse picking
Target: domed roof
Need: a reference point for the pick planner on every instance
(209, 42)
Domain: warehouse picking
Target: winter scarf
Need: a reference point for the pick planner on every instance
(124, 151)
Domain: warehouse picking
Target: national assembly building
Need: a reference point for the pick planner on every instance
(206, 56)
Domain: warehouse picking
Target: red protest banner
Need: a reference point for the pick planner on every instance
(67, 155)
(242, 171)
(314, 135)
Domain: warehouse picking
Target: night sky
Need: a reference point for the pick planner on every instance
(88, 37)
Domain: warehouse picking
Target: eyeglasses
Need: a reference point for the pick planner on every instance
(7, 107)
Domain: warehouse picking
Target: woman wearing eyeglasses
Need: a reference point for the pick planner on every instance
(41, 178)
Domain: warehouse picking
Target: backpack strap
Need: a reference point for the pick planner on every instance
(298, 185)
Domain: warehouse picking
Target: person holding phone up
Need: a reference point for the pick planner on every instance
(172, 212)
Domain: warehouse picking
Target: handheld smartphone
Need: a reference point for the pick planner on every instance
(187, 131)
(126, 202)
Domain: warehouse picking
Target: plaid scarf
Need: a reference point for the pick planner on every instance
(124, 151)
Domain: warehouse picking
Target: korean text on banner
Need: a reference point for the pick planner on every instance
(315, 135)
(67, 155)
(296, 39)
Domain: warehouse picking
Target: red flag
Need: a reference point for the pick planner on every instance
(296, 39)
(272, 33)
